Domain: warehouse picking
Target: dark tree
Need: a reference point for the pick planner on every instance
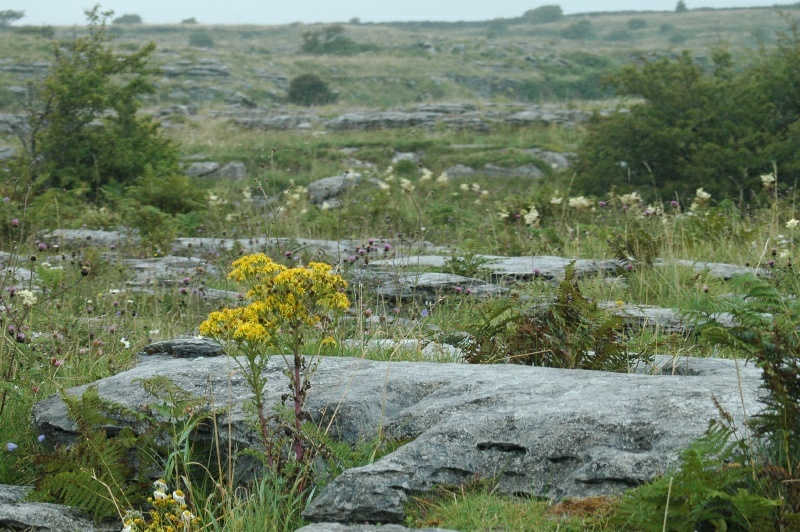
(84, 125)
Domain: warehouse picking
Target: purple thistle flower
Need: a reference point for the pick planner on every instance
(458, 289)
(387, 247)
(361, 251)
(629, 267)
(602, 203)
(424, 313)
(673, 203)
(15, 222)
(42, 246)
(351, 258)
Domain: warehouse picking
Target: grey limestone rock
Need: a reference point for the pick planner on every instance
(383, 120)
(194, 347)
(339, 527)
(16, 514)
(330, 188)
(169, 269)
(274, 122)
(548, 267)
(200, 169)
(718, 269)
(539, 431)
(7, 152)
(232, 170)
(429, 286)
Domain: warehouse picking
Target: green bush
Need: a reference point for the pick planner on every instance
(578, 30)
(717, 126)
(9, 16)
(619, 35)
(48, 32)
(85, 126)
(332, 41)
(636, 23)
(310, 89)
(191, 20)
(127, 19)
(543, 14)
(201, 39)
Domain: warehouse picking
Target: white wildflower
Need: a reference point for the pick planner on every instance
(27, 297)
(325, 206)
(426, 175)
(160, 485)
(532, 217)
(630, 199)
(580, 203)
(702, 194)
(464, 187)
(484, 193)
(179, 497)
(793, 223)
(383, 185)
(406, 184)
(503, 213)
(476, 187)
(556, 200)
(443, 178)
(784, 253)
(767, 180)
(125, 342)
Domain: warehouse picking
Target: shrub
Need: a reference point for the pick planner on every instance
(569, 332)
(686, 134)
(85, 127)
(677, 38)
(619, 35)
(310, 89)
(636, 23)
(127, 19)
(9, 16)
(201, 39)
(331, 40)
(189, 21)
(543, 14)
(680, 7)
(578, 30)
(48, 32)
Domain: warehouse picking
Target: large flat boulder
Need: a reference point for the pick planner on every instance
(538, 431)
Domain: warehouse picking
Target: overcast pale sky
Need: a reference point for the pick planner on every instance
(68, 12)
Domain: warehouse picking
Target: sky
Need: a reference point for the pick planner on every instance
(69, 12)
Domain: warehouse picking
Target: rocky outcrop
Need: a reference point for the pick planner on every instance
(280, 122)
(383, 120)
(330, 189)
(338, 527)
(538, 431)
(17, 514)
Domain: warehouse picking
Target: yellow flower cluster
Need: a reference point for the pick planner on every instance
(281, 297)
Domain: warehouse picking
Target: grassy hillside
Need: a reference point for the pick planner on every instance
(499, 60)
